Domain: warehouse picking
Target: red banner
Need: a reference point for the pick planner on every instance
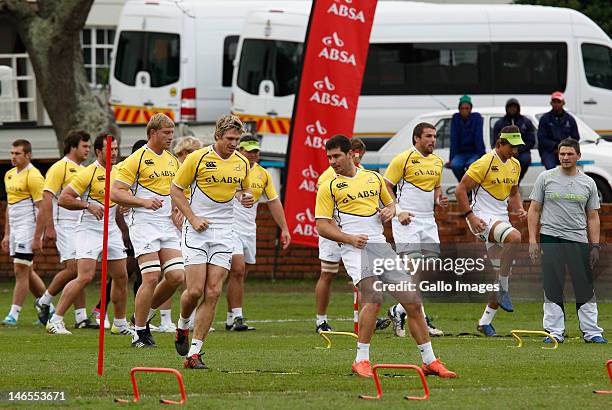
(335, 54)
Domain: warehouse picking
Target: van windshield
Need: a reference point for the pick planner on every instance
(156, 53)
(274, 60)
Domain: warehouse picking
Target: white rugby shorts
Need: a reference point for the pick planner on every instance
(245, 244)
(89, 243)
(212, 246)
(420, 235)
(65, 241)
(152, 236)
(329, 251)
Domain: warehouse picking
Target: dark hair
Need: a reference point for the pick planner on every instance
(507, 129)
(357, 144)
(247, 136)
(99, 141)
(73, 139)
(339, 141)
(138, 144)
(418, 130)
(571, 143)
(25, 144)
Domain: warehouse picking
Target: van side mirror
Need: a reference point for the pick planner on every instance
(266, 88)
(143, 79)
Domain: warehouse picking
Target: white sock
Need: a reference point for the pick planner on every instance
(363, 352)
(193, 315)
(196, 345)
(183, 323)
(56, 318)
(321, 319)
(237, 312)
(399, 308)
(503, 282)
(166, 316)
(230, 319)
(151, 314)
(120, 322)
(46, 298)
(423, 310)
(487, 316)
(80, 314)
(137, 328)
(427, 354)
(15, 311)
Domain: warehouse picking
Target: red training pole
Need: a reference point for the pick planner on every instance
(109, 165)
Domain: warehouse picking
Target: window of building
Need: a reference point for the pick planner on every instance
(97, 43)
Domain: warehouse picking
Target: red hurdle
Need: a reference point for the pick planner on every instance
(609, 367)
(355, 310)
(397, 366)
(179, 378)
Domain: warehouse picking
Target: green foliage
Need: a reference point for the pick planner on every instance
(600, 11)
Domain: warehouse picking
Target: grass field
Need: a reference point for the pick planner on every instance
(279, 366)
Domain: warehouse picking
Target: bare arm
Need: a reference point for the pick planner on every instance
(45, 214)
(276, 209)
(69, 199)
(390, 187)
(403, 216)
(180, 201)
(121, 195)
(7, 231)
(593, 226)
(533, 220)
(468, 184)
(516, 202)
(440, 198)
(328, 229)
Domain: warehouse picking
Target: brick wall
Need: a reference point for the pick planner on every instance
(302, 262)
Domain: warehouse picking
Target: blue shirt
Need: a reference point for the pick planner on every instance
(466, 135)
(555, 128)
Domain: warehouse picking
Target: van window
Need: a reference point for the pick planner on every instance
(421, 69)
(443, 133)
(597, 61)
(529, 68)
(156, 53)
(277, 61)
(230, 44)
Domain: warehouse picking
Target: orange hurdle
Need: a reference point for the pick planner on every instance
(397, 366)
(609, 367)
(179, 378)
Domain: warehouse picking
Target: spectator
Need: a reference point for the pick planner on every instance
(513, 117)
(467, 144)
(555, 126)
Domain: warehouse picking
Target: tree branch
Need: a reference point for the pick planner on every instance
(21, 9)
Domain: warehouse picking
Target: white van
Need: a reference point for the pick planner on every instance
(596, 160)
(423, 57)
(176, 57)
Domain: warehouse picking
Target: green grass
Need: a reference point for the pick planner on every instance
(279, 366)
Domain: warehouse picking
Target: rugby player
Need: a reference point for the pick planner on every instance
(493, 181)
(214, 175)
(329, 255)
(85, 192)
(59, 223)
(356, 194)
(143, 184)
(417, 174)
(24, 186)
(244, 231)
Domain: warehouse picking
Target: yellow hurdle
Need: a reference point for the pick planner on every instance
(325, 335)
(514, 333)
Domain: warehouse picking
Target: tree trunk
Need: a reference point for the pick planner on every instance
(51, 35)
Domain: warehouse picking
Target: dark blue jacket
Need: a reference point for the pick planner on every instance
(553, 129)
(466, 136)
(528, 131)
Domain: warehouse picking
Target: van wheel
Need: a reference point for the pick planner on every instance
(603, 189)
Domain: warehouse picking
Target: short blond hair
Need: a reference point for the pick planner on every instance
(226, 123)
(188, 144)
(159, 121)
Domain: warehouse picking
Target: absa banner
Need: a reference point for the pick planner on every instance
(335, 54)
